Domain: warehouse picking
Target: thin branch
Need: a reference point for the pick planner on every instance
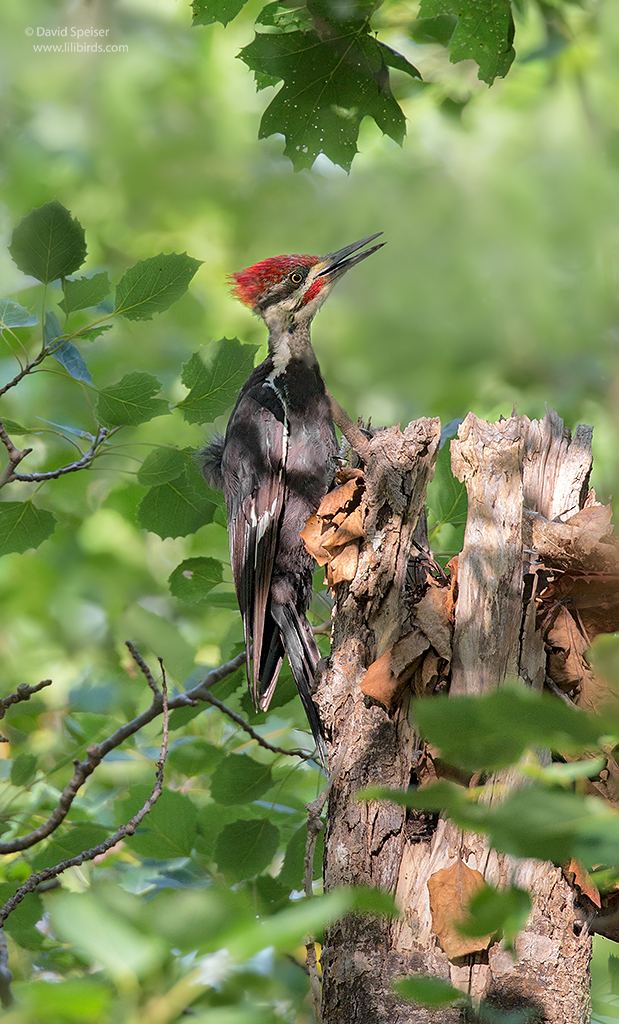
(210, 699)
(72, 467)
(350, 430)
(96, 851)
(315, 826)
(24, 692)
(96, 752)
(15, 456)
(139, 660)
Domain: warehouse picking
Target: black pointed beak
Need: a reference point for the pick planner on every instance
(337, 263)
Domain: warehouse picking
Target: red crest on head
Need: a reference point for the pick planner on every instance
(248, 285)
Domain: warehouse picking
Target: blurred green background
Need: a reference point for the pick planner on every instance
(497, 287)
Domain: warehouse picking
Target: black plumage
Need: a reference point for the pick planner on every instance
(275, 465)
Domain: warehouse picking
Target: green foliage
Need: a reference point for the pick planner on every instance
(239, 779)
(428, 990)
(48, 243)
(484, 33)
(14, 315)
(83, 292)
(194, 579)
(246, 847)
(23, 526)
(214, 376)
(130, 401)
(331, 81)
(180, 506)
(493, 731)
(168, 831)
(152, 285)
(501, 912)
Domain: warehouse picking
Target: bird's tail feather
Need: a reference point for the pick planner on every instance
(303, 656)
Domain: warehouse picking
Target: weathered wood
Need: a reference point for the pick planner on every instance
(509, 467)
(364, 841)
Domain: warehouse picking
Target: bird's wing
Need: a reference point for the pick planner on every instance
(255, 459)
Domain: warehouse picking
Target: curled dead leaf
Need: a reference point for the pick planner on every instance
(388, 675)
(450, 891)
(577, 876)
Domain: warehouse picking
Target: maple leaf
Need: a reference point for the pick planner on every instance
(333, 76)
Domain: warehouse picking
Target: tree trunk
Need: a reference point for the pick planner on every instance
(391, 639)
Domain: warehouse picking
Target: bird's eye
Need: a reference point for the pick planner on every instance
(296, 277)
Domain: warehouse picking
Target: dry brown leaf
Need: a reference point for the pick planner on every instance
(380, 683)
(576, 875)
(450, 891)
(350, 529)
(432, 616)
(343, 565)
(566, 646)
(429, 674)
(339, 498)
(583, 543)
(311, 535)
(406, 654)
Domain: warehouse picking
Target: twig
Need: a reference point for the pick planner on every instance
(550, 683)
(314, 828)
(71, 467)
(210, 699)
(349, 429)
(24, 692)
(96, 851)
(139, 660)
(96, 752)
(15, 456)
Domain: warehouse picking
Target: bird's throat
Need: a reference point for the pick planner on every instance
(291, 343)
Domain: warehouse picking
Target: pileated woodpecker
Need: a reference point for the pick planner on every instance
(275, 465)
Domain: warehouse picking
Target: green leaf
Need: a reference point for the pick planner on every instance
(178, 507)
(23, 769)
(84, 292)
(193, 755)
(65, 352)
(130, 401)
(288, 928)
(14, 315)
(78, 1001)
(194, 578)
(238, 779)
(21, 922)
(447, 504)
(493, 731)
(104, 937)
(428, 990)
(161, 466)
(291, 874)
(12, 427)
(168, 830)
(153, 285)
(214, 376)
(434, 30)
(285, 15)
(331, 82)
(205, 12)
(70, 843)
(159, 636)
(246, 847)
(23, 526)
(90, 333)
(484, 33)
(493, 911)
(48, 243)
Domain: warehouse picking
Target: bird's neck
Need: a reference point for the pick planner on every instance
(291, 343)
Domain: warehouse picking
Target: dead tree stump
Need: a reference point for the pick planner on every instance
(398, 631)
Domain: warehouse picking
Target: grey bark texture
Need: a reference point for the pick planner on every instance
(512, 469)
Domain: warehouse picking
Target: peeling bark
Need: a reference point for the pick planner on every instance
(512, 469)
